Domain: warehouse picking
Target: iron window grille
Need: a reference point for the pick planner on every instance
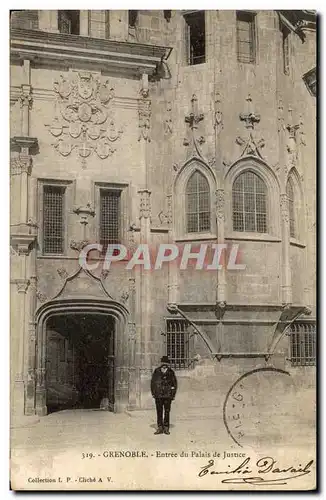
(53, 219)
(179, 344)
(132, 18)
(302, 344)
(198, 213)
(249, 199)
(68, 21)
(290, 195)
(110, 215)
(246, 38)
(195, 35)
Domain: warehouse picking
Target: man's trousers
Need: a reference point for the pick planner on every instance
(163, 403)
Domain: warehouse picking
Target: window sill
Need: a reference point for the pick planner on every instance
(196, 237)
(253, 237)
(296, 243)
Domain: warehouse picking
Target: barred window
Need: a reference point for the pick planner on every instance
(290, 195)
(195, 36)
(285, 49)
(110, 209)
(198, 213)
(68, 21)
(178, 344)
(53, 219)
(302, 344)
(246, 40)
(249, 196)
(132, 18)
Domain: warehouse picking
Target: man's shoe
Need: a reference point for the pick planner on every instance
(166, 430)
(159, 431)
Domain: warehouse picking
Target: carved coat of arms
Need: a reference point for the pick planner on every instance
(84, 122)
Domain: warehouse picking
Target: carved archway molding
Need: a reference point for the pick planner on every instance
(81, 305)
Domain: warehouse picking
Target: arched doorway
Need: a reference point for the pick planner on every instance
(79, 353)
(80, 359)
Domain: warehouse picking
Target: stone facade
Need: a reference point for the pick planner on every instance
(119, 106)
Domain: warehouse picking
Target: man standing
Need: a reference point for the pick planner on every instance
(163, 387)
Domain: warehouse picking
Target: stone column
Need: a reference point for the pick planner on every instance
(286, 286)
(145, 281)
(18, 395)
(132, 333)
(220, 222)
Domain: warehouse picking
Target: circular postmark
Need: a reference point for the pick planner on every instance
(256, 406)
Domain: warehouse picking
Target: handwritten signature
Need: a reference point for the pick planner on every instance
(264, 465)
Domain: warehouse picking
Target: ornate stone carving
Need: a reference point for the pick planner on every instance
(104, 274)
(21, 164)
(131, 239)
(145, 204)
(22, 285)
(132, 285)
(40, 377)
(132, 331)
(25, 96)
(284, 202)
(193, 119)
(144, 113)
(250, 117)
(41, 296)
(85, 121)
(280, 116)
(218, 115)
(13, 252)
(220, 204)
(166, 217)
(251, 145)
(124, 296)
(211, 161)
(78, 245)
(62, 273)
(84, 213)
(168, 129)
(291, 143)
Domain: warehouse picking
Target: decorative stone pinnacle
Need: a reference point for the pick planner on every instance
(193, 118)
(250, 117)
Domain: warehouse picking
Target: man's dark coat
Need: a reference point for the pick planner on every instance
(164, 385)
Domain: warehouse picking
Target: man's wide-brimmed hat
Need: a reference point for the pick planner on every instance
(165, 359)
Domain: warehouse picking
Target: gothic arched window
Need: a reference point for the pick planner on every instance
(198, 215)
(249, 197)
(290, 195)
